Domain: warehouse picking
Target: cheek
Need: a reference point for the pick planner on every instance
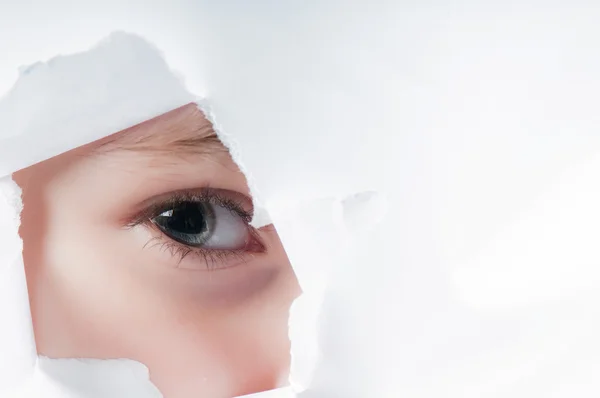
(123, 301)
(90, 302)
(203, 332)
(97, 292)
(216, 292)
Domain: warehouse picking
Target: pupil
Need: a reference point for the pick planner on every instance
(186, 218)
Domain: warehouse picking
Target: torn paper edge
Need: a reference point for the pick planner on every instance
(19, 129)
(261, 216)
(28, 113)
(17, 343)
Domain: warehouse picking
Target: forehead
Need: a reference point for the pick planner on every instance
(185, 130)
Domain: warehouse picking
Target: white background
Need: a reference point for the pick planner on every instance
(479, 123)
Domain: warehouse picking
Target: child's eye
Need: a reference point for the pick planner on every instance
(210, 225)
(204, 225)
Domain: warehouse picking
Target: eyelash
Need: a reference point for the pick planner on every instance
(212, 257)
(180, 250)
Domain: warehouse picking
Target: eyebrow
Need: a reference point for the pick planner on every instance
(183, 131)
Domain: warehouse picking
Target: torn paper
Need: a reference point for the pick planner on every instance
(120, 63)
(117, 70)
(464, 121)
(16, 336)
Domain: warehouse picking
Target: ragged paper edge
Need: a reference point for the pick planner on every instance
(304, 311)
(313, 272)
(103, 77)
(24, 374)
(30, 374)
(261, 216)
(347, 216)
(32, 110)
(94, 378)
(17, 345)
(319, 235)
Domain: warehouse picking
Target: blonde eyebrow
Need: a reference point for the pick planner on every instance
(181, 131)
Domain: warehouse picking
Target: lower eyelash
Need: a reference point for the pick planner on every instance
(211, 257)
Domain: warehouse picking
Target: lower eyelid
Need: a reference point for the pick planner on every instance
(197, 259)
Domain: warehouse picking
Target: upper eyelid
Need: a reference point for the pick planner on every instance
(152, 207)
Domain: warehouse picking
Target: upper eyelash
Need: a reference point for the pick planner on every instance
(207, 195)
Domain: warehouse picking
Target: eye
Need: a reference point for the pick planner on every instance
(210, 226)
(204, 225)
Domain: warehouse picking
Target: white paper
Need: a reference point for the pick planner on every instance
(66, 98)
(16, 334)
(472, 125)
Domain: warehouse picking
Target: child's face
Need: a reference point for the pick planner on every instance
(138, 246)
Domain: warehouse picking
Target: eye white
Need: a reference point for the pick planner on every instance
(229, 230)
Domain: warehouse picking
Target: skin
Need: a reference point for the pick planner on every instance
(98, 289)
